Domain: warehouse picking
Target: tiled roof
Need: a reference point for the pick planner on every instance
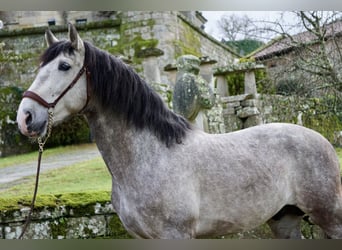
(282, 45)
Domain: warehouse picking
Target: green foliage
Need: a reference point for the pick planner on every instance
(263, 82)
(11, 140)
(290, 86)
(73, 131)
(236, 82)
(245, 46)
(315, 113)
(317, 116)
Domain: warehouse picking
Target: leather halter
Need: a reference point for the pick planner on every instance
(40, 100)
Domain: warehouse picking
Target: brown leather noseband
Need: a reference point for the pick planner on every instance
(40, 100)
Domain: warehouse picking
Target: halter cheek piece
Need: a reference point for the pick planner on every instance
(40, 100)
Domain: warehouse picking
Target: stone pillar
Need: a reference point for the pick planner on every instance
(206, 70)
(150, 64)
(171, 70)
(250, 84)
(221, 86)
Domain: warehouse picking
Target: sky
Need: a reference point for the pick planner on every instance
(211, 27)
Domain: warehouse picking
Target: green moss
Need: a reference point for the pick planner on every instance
(59, 227)
(189, 42)
(136, 24)
(14, 203)
(137, 44)
(73, 200)
(133, 40)
(116, 229)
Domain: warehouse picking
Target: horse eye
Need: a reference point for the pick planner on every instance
(64, 66)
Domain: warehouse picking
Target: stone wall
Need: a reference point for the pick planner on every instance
(69, 218)
(172, 33)
(19, 56)
(241, 111)
(74, 219)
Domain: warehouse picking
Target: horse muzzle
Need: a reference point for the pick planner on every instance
(32, 123)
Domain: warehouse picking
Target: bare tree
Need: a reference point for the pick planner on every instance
(235, 27)
(313, 58)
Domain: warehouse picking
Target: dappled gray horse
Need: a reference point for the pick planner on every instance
(171, 180)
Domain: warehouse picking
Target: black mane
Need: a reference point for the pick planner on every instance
(119, 89)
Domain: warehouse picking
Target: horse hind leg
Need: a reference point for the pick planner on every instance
(330, 221)
(286, 223)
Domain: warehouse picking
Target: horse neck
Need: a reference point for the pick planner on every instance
(121, 146)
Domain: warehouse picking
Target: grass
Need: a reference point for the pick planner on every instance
(91, 175)
(82, 177)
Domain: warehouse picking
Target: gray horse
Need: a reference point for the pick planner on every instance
(171, 180)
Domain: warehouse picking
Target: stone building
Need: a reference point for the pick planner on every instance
(304, 60)
(148, 40)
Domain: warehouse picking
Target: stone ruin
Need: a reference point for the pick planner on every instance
(240, 111)
(211, 108)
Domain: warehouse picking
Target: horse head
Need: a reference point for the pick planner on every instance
(62, 66)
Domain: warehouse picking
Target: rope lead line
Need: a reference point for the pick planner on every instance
(41, 143)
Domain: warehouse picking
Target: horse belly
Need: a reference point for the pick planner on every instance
(248, 218)
(249, 202)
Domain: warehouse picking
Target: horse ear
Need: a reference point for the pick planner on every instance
(50, 38)
(75, 39)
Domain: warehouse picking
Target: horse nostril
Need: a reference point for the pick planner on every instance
(28, 119)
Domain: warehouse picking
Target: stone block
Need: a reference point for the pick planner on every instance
(247, 112)
(268, 110)
(39, 230)
(252, 121)
(236, 98)
(86, 227)
(250, 103)
(228, 111)
(106, 208)
(232, 123)
(12, 230)
(232, 104)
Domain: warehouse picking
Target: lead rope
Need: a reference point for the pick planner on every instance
(41, 143)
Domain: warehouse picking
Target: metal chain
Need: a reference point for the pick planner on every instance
(41, 143)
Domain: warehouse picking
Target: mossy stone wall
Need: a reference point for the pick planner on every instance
(67, 216)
